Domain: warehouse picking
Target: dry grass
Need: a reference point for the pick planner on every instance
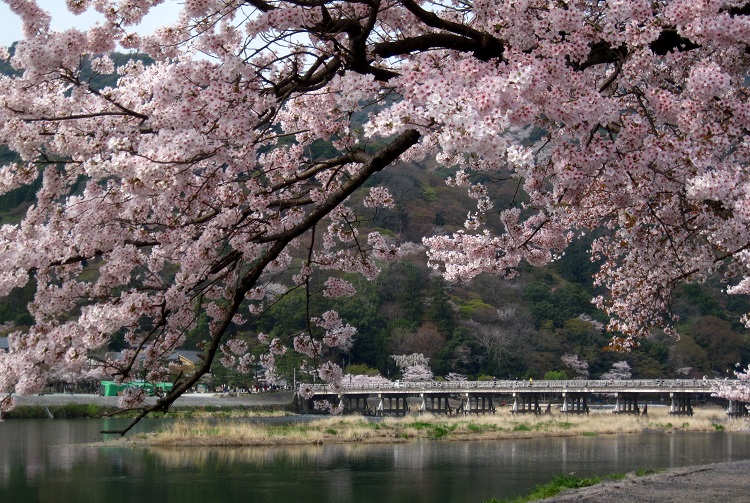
(235, 413)
(346, 429)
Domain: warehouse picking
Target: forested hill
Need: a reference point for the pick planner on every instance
(510, 328)
(488, 327)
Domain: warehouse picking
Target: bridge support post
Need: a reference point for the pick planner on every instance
(575, 403)
(387, 405)
(423, 403)
(680, 404)
(479, 403)
(443, 405)
(736, 409)
(404, 407)
(356, 404)
(446, 407)
(465, 405)
(525, 403)
(626, 403)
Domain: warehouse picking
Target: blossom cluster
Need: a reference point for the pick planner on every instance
(197, 180)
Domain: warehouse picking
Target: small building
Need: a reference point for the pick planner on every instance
(4, 348)
(186, 359)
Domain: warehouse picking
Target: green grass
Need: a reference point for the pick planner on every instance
(522, 427)
(661, 426)
(479, 428)
(557, 485)
(543, 426)
(419, 425)
(439, 432)
(563, 482)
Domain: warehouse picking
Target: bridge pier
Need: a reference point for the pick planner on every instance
(443, 405)
(356, 404)
(680, 404)
(526, 403)
(307, 406)
(575, 403)
(736, 409)
(478, 403)
(626, 403)
(384, 407)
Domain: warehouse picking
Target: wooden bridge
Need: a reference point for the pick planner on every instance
(535, 397)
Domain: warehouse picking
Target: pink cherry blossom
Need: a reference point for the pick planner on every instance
(195, 183)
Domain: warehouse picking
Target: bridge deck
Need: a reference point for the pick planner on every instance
(697, 386)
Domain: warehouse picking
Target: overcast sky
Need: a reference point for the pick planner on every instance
(10, 24)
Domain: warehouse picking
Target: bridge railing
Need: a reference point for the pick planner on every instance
(590, 385)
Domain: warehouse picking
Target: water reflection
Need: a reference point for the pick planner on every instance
(53, 461)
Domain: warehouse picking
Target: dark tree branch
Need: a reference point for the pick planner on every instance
(669, 40)
(372, 163)
(434, 41)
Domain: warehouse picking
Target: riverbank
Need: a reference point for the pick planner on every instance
(718, 482)
(67, 406)
(348, 429)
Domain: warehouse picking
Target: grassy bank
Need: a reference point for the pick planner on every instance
(229, 432)
(556, 486)
(563, 482)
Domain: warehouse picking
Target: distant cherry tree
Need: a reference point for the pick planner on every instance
(413, 367)
(576, 365)
(417, 373)
(364, 380)
(455, 377)
(619, 371)
(735, 390)
(242, 158)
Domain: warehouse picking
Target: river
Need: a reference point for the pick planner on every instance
(53, 461)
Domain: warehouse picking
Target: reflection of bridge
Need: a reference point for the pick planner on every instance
(470, 397)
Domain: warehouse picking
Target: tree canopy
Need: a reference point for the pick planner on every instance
(235, 166)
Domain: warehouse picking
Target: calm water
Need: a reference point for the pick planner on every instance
(44, 461)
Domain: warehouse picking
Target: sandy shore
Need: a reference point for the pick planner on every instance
(719, 482)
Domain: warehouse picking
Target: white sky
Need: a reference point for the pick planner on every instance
(62, 19)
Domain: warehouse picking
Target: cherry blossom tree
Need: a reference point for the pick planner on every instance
(735, 390)
(574, 363)
(196, 182)
(455, 377)
(410, 360)
(619, 371)
(364, 380)
(417, 373)
(414, 367)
